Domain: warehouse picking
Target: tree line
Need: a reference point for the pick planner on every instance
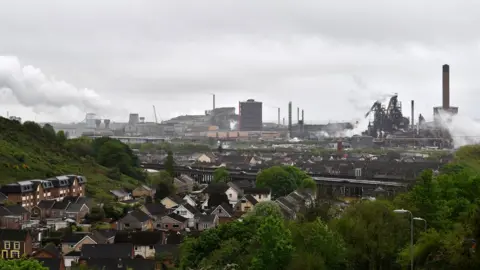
(366, 234)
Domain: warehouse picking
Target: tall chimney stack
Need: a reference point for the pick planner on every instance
(446, 87)
(413, 114)
(279, 116)
(290, 119)
(302, 117)
(298, 114)
(284, 121)
(214, 101)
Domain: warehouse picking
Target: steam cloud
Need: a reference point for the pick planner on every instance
(464, 130)
(33, 89)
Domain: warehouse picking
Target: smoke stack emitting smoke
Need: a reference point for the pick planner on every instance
(35, 90)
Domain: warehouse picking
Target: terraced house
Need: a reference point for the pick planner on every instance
(30, 192)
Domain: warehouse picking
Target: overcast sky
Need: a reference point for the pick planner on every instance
(331, 58)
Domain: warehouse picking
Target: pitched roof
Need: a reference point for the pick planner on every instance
(105, 251)
(256, 190)
(287, 203)
(46, 204)
(216, 188)
(177, 217)
(207, 218)
(75, 207)
(226, 207)
(251, 199)
(190, 208)
(107, 233)
(52, 249)
(13, 235)
(155, 208)
(141, 238)
(3, 197)
(73, 237)
(16, 209)
(135, 216)
(60, 205)
(176, 199)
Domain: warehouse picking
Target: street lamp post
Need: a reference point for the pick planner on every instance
(403, 211)
(422, 219)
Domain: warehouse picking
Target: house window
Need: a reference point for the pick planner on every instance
(150, 247)
(175, 226)
(127, 225)
(4, 254)
(219, 210)
(259, 196)
(6, 245)
(166, 225)
(205, 225)
(230, 195)
(15, 254)
(247, 208)
(182, 213)
(16, 245)
(136, 248)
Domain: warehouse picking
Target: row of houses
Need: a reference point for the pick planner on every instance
(30, 192)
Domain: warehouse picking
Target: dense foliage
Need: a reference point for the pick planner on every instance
(29, 151)
(21, 264)
(364, 235)
(284, 179)
(221, 175)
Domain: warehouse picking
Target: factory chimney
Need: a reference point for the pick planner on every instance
(279, 116)
(298, 114)
(284, 121)
(214, 101)
(290, 119)
(302, 117)
(413, 114)
(107, 123)
(97, 123)
(446, 87)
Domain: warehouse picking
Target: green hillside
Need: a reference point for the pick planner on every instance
(28, 151)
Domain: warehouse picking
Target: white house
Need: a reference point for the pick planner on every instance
(189, 200)
(234, 193)
(187, 211)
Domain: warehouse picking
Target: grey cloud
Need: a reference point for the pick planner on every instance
(332, 59)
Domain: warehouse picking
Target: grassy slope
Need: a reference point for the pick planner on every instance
(26, 153)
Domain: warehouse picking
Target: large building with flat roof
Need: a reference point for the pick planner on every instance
(250, 115)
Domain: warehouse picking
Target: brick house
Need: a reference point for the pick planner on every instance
(15, 243)
(21, 193)
(13, 216)
(173, 222)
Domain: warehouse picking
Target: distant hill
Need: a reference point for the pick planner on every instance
(29, 151)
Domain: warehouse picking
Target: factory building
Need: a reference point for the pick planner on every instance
(250, 115)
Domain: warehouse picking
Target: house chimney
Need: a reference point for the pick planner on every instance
(446, 87)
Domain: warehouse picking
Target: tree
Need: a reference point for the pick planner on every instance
(308, 183)
(49, 132)
(279, 180)
(274, 245)
(216, 199)
(96, 214)
(61, 137)
(221, 175)
(169, 164)
(317, 247)
(113, 210)
(265, 209)
(373, 234)
(154, 179)
(164, 189)
(21, 264)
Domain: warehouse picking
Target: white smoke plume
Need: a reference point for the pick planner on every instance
(464, 130)
(33, 89)
(233, 125)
